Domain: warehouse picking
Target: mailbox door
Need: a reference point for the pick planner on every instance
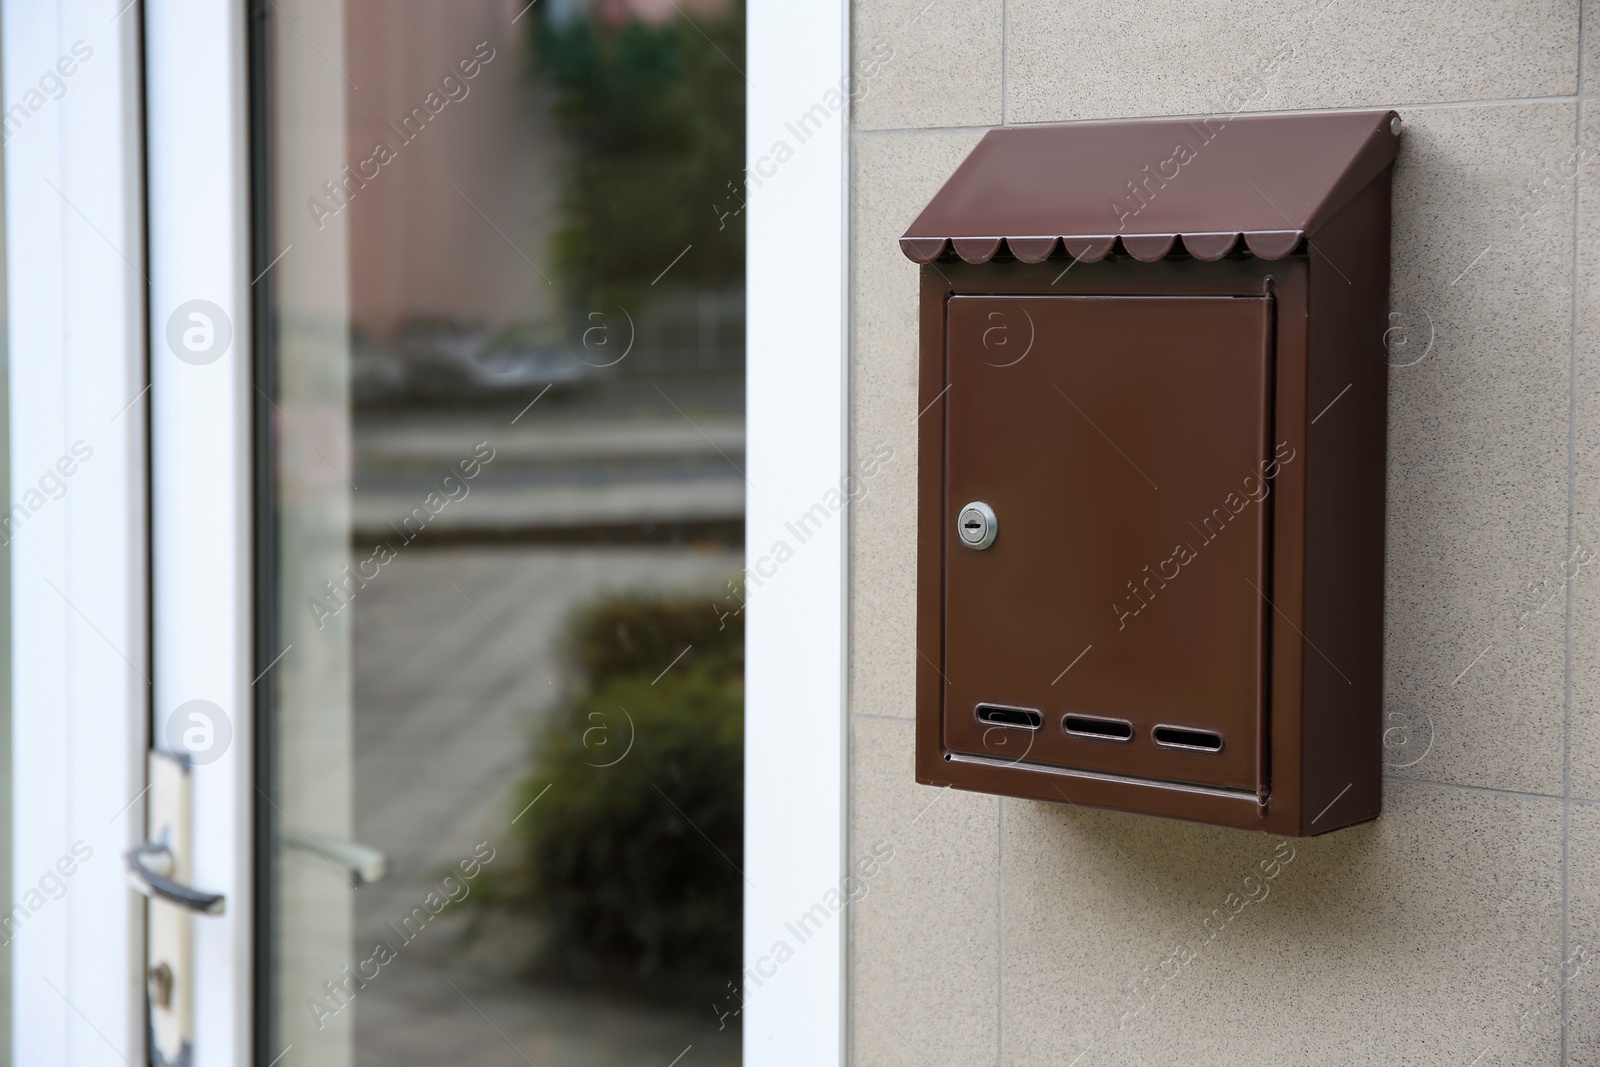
(1123, 446)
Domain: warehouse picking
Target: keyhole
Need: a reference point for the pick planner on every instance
(976, 525)
(161, 983)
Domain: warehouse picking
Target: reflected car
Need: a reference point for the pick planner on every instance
(445, 362)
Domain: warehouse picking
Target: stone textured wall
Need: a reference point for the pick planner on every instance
(1463, 927)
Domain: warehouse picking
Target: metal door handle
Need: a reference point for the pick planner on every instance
(362, 864)
(148, 867)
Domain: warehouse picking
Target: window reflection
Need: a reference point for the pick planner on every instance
(507, 379)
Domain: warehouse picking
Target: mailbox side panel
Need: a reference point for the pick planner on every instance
(1346, 444)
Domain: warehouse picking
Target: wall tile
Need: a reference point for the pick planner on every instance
(1420, 938)
(1581, 577)
(1591, 46)
(1077, 59)
(1580, 970)
(1477, 502)
(921, 63)
(895, 176)
(923, 940)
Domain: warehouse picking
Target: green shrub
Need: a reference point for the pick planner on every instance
(629, 858)
(654, 116)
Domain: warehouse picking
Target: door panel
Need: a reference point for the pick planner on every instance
(1121, 442)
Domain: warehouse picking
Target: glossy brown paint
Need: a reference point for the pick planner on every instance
(1201, 187)
(1119, 441)
(1152, 391)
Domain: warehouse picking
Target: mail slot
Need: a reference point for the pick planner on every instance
(1151, 468)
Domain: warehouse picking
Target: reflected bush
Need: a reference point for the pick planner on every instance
(653, 114)
(629, 857)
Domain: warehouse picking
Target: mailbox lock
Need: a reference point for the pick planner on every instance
(977, 525)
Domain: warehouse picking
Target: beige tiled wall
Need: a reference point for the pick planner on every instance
(1461, 928)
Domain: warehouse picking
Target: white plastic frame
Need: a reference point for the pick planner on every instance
(76, 299)
(197, 145)
(797, 406)
(112, 594)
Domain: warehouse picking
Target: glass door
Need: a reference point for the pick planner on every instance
(499, 399)
(448, 756)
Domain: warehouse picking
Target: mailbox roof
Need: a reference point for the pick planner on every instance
(1154, 186)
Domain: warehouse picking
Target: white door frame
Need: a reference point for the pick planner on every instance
(83, 649)
(76, 296)
(798, 62)
(197, 149)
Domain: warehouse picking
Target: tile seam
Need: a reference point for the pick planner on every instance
(1432, 105)
(1468, 788)
(1005, 61)
(1572, 513)
(1000, 938)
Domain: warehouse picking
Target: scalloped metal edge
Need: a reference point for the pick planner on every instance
(1091, 248)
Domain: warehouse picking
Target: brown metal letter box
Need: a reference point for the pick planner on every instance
(1151, 468)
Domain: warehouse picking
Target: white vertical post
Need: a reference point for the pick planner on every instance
(197, 137)
(75, 296)
(796, 182)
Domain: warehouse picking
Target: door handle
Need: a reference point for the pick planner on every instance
(148, 868)
(362, 864)
(158, 869)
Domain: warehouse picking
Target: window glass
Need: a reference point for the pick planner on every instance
(502, 408)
